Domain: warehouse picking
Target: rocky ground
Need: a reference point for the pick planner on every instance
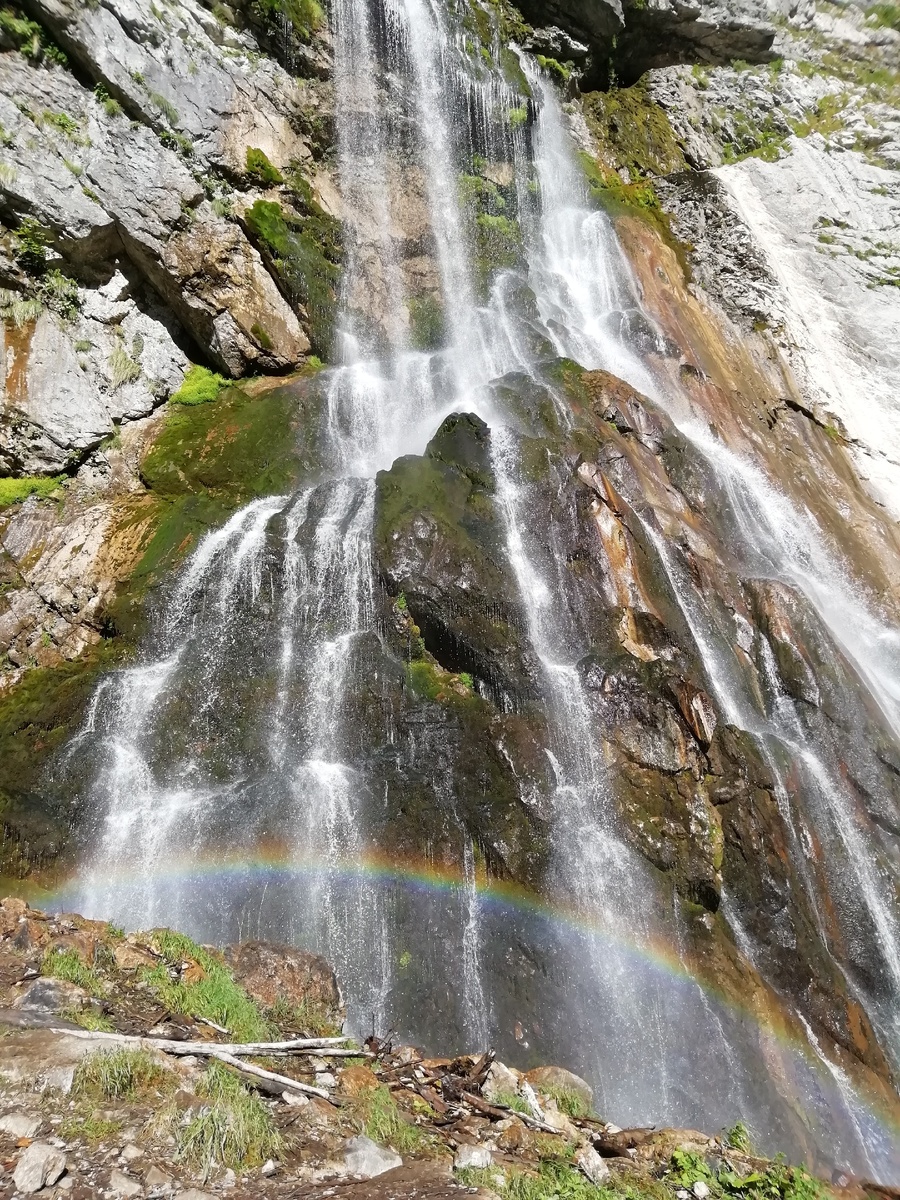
(91, 1106)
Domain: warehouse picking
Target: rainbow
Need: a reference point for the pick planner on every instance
(777, 1033)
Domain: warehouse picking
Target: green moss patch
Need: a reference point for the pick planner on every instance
(260, 169)
(633, 132)
(303, 250)
(199, 386)
(14, 491)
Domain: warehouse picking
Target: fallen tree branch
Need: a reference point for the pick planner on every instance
(320, 1046)
(284, 1081)
(499, 1112)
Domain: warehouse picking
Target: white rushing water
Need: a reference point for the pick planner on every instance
(302, 567)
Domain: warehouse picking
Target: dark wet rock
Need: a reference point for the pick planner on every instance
(439, 542)
(628, 39)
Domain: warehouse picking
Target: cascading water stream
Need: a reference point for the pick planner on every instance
(581, 273)
(301, 569)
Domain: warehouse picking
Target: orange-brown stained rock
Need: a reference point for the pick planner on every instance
(129, 957)
(356, 1080)
(270, 973)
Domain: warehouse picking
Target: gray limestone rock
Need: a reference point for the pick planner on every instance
(364, 1157)
(20, 1125)
(40, 1165)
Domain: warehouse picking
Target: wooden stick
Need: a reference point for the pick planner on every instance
(171, 1046)
(284, 1081)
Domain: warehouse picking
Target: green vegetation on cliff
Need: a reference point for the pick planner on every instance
(199, 386)
(303, 251)
(14, 491)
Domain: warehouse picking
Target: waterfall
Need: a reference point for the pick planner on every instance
(240, 726)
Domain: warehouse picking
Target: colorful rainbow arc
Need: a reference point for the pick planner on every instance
(503, 897)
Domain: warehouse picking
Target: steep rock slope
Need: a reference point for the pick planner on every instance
(198, 223)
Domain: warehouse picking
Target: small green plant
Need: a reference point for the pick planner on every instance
(68, 964)
(382, 1121)
(235, 1130)
(466, 680)
(83, 345)
(122, 367)
(512, 1100)
(62, 121)
(110, 105)
(686, 1168)
(120, 1074)
(59, 292)
(570, 1102)
(18, 310)
(29, 38)
(199, 386)
(400, 603)
(164, 106)
(738, 1137)
(30, 245)
(84, 1123)
(87, 1018)
(260, 169)
(517, 116)
(8, 173)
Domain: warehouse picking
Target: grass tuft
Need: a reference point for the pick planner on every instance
(235, 1130)
(69, 965)
(121, 1074)
(122, 367)
(572, 1103)
(382, 1121)
(216, 996)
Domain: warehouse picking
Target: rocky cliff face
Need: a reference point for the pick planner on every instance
(176, 216)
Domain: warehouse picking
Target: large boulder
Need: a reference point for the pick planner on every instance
(270, 973)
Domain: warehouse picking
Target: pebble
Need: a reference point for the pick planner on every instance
(700, 1189)
(131, 1152)
(155, 1178)
(268, 1167)
(124, 1185)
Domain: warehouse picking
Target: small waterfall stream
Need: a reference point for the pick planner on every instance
(180, 775)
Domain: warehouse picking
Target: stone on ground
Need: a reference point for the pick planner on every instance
(20, 1125)
(124, 1185)
(592, 1165)
(39, 1166)
(364, 1157)
(478, 1157)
